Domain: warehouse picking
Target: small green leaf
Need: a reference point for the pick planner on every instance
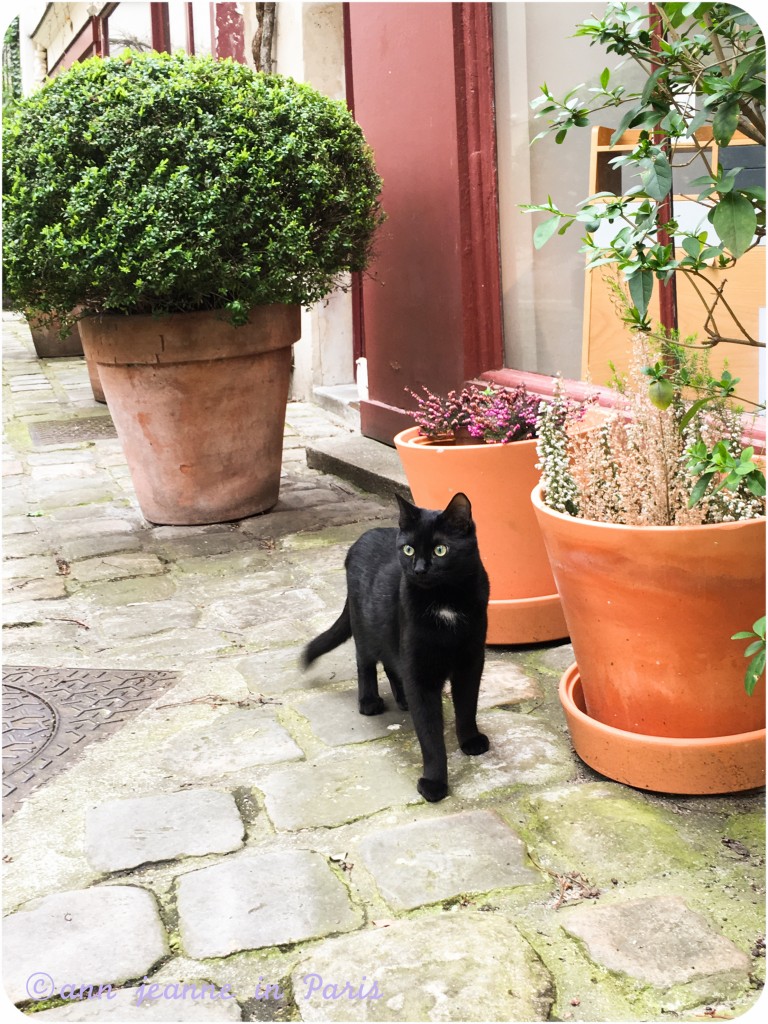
(754, 670)
(699, 489)
(640, 289)
(692, 246)
(725, 122)
(688, 416)
(656, 176)
(545, 230)
(650, 84)
(735, 221)
(756, 484)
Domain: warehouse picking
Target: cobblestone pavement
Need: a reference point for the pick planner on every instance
(250, 846)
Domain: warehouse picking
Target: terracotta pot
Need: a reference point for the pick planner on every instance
(93, 369)
(524, 605)
(650, 612)
(699, 765)
(199, 406)
(48, 344)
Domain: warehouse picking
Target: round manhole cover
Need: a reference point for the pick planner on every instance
(29, 722)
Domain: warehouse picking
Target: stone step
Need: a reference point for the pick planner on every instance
(362, 461)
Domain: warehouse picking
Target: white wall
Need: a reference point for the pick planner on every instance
(543, 292)
(309, 46)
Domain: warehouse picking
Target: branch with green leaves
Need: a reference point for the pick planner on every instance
(755, 651)
(709, 70)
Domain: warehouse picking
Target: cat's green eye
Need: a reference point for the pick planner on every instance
(408, 550)
(441, 550)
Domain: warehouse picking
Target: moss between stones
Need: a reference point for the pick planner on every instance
(604, 832)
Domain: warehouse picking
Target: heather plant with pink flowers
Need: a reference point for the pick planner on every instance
(477, 415)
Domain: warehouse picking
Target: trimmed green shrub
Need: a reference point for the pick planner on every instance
(153, 183)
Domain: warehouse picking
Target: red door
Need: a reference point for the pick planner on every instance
(420, 81)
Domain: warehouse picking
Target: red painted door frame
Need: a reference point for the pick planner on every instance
(428, 312)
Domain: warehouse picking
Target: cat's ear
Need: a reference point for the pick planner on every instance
(409, 514)
(458, 513)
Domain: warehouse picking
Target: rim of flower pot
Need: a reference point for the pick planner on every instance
(664, 764)
(411, 438)
(539, 503)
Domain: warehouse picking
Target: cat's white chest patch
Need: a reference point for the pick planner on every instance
(447, 615)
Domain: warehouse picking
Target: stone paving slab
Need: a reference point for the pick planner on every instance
(108, 934)
(36, 590)
(429, 861)
(662, 942)
(126, 591)
(129, 1004)
(145, 618)
(331, 791)
(116, 566)
(463, 966)
(336, 720)
(277, 670)
(504, 684)
(524, 752)
(122, 834)
(254, 900)
(606, 831)
(235, 741)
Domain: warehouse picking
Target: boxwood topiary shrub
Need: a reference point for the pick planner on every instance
(153, 183)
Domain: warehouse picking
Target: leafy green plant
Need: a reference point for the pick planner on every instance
(717, 465)
(755, 651)
(153, 183)
(721, 466)
(11, 67)
(706, 69)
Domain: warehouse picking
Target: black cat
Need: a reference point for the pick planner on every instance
(417, 601)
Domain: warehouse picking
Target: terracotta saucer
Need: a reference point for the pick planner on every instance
(718, 764)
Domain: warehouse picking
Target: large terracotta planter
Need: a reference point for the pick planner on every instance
(524, 605)
(199, 406)
(650, 612)
(93, 369)
(49, 345)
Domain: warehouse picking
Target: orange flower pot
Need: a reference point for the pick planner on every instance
(650, 612)
(524, 606)
(199, 407)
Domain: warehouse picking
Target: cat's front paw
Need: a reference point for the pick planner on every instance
(372, 706)
(477, 745)
(431, 790)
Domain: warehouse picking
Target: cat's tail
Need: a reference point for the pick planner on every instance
(340, 631)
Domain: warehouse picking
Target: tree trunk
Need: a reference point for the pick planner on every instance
(261, 46)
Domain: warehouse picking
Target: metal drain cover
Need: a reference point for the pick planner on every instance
(50, 714)
(89, 428)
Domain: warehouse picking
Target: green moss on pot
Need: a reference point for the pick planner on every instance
(154, 183)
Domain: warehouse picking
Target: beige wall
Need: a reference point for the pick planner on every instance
(309, 46)
(543, 292)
